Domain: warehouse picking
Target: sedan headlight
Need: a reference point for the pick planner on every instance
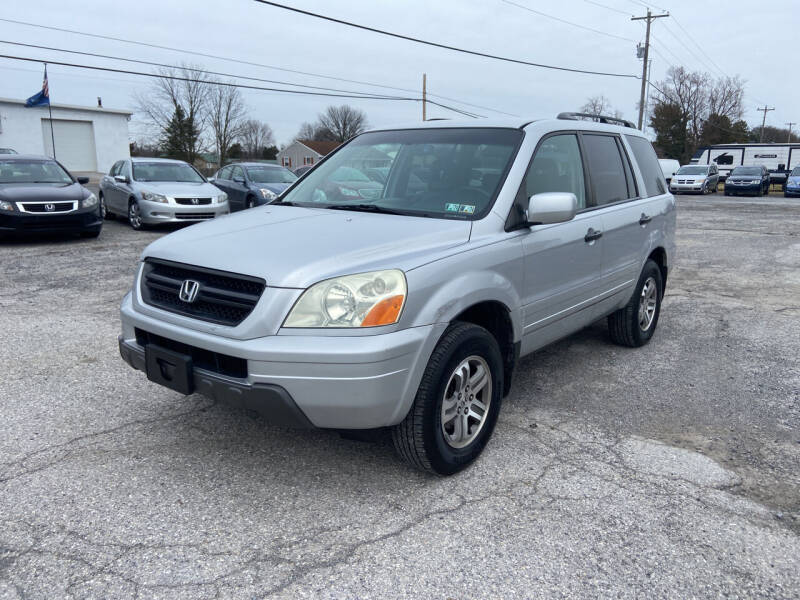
(268, 194)
(153, 197)
(754, 181)
(90, 201)
(363, 300)
(223, 197)
(6, 205)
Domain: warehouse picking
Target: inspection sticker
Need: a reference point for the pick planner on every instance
(467, 208)
(452, 207)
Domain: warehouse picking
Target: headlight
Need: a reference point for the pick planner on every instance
(756, 181)
(348, 192)
(6, 205)
(700, 180)
(268, 194)
(363, 300)
(153, 197)
(90, 201)
(223, 197)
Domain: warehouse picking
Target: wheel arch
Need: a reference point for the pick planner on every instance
(659, 256)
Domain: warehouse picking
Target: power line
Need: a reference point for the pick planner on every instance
(711, 60)
(560, 20)
(611, 8)
(229, 84)
(240, 61)
(439, 45)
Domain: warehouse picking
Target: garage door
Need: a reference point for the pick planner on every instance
(74, 143)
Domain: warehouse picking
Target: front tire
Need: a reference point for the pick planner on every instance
(134, 215)
(457, 403)
(251, 202)
(634, 324)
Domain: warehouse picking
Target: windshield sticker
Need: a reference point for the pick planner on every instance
(467, 208)
(452, 207)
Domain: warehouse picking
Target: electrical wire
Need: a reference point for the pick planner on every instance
(560, 20)
(195, 53)
(601, 5)
(443, 46)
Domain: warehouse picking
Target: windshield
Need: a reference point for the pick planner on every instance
(795, 172)
(33, 171)
(158, 171)
(270, 175)
(692, 171)
(443, 173)
(746, 171)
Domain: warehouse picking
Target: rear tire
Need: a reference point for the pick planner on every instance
(634, 324)
(104, 214)
(457, 403)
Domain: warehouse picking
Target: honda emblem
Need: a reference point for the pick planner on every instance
(189, 290)
(49, 207)
(195, 200)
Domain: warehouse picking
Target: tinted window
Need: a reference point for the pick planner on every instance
(606, 169)
(647, 160)
(32, 171)
(115, 169)
(692, 171)
(557, 167)
(796, 172)
(225, 173)
(237, 173)
(747, 171)
(442, 173)
(270, 175)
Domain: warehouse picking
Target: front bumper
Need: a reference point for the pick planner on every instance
(158, 212)
(686, 187)
(335, 381)
(69, 222)
(791, 192)
(750, 188)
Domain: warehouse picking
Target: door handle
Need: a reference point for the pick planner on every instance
(645, 219)
(592, 235)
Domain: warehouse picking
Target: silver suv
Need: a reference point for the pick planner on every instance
(151, 191)
(407, 305)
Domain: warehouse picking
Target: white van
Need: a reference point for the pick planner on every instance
(669, 167)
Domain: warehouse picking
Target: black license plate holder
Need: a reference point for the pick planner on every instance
(169, 368)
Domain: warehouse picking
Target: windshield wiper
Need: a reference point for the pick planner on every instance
(364, 208)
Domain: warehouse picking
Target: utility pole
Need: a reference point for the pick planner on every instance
(790, 123)
(765, 110)
(649, 19)
(424, 93)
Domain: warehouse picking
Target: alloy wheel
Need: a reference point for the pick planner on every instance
(466, 402)
(134, 216)
(647, 303)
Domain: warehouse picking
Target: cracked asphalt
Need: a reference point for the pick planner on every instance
(669, 471)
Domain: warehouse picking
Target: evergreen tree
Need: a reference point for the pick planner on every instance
(180, 137)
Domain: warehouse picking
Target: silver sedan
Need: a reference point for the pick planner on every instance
(149, 191)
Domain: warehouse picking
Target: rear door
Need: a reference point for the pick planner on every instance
(238, 188)
(109, 187)
(222, 181)
(562, 261)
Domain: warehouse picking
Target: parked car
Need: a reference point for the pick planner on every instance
(407, 309)
(7, 151)
(792, 187)
(152, 191)
(251, 184)
(747, 181)
(669, 167)
(700, 179)
(346, 183)
(300, 171)
(37, 195)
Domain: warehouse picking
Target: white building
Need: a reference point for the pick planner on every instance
(304, 152)
(87, 139)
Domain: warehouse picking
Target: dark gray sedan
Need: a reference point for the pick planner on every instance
(39, 195)
(251, 184)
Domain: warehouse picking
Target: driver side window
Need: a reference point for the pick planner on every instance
(557, 167)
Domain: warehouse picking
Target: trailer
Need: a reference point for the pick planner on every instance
(779, 159)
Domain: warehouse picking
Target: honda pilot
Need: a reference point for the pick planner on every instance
(408, 308)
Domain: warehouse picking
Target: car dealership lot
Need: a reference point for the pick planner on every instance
(670, 470)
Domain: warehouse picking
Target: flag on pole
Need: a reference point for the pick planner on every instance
(43, 97)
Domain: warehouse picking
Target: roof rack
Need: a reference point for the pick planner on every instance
(576, 116)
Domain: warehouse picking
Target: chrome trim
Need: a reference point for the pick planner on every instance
(75, 204)
(587, 301)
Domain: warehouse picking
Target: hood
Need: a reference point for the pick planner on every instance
(30, 192)
(277, 188)
(295, 247)
(744, 177)
(793, 180)
(174, 188)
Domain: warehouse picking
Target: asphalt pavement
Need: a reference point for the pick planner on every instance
(669, 471)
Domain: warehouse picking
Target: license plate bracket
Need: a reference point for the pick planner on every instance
(169, 368)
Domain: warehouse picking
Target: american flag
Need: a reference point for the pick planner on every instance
(43, 97)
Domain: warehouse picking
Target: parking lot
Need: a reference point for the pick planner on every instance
(667, 471)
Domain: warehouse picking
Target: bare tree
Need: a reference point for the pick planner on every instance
(690, 93)
(600, 105)
(726, 98)
(343, 122)
(254, 136)
(226, 113)
(186, 88)
(314, 131)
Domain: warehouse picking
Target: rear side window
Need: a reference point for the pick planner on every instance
(115, 169)
(557, 167)
(648, 164)
(610, 179)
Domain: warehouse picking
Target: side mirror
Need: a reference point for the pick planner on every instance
(212, 179)
(121, 179)
(238, 180)
(82, 180)
(551, 207)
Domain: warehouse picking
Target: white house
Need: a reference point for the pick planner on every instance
(305, 152)
(87, 139)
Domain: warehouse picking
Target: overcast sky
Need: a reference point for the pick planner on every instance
(742, 37)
